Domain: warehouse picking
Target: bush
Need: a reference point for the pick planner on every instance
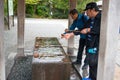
(29, 10)
(42, 11)
(60, 14)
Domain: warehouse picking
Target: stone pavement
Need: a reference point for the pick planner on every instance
(41, 28)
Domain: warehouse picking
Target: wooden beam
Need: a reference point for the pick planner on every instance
(21, 17)
(2, 54)
(108, 39)
(10, 14)
(72, 5)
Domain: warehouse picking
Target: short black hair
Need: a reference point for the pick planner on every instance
(92, 5)
(73, 11)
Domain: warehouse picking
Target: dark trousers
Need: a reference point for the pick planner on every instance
(93, 72)
(93, 62)
(82, 43)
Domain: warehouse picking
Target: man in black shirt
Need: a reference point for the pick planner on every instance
(93, 34)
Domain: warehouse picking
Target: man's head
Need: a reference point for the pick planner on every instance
(74, 14)
(91, 9)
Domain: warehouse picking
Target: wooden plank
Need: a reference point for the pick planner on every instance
(21, 16)
(108, 39)
(72, 4)
(2, 54)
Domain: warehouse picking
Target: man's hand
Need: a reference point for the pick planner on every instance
(67, 35)
(62, 35)
(66, 30)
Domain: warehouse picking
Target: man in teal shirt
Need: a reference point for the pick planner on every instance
(78, 22)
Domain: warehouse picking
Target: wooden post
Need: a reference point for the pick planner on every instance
(21, 16)
(72, 4)
(108, 39)
(2, 54)
(10, 14)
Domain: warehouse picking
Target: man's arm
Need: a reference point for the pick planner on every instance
(73, 26)
(85, 30)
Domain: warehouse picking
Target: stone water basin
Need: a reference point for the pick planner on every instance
(51, 61)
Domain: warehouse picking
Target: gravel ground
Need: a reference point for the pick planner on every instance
(22, 69)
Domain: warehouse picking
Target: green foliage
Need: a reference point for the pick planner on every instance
(5, 8)
(61, 4)
(60, 8)
(50, 8)
(42, 11)
(15, 6)
(30, 10)
(31, 1)
(60, 14)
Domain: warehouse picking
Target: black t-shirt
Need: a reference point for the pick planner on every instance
(94, 35)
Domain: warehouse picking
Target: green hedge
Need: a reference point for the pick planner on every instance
(43, 8)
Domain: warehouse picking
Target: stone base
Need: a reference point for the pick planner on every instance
(51, 71)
